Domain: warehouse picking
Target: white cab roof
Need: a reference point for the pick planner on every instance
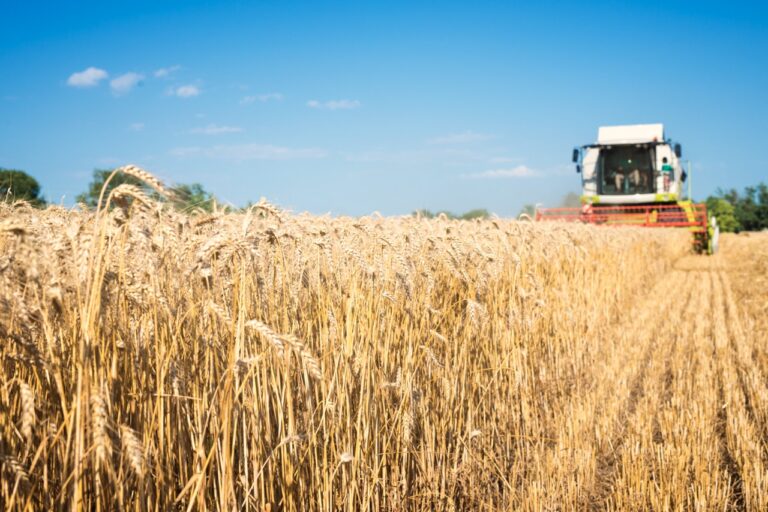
(629, 134)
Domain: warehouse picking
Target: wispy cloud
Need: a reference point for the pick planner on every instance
(136, 127)
(87, 78)
(460, 138)
(334, 104)
(240, 152)
(270, 96)
(166, 72)
(185, 91)
(521, 171)
(124, 83)
(215, 129)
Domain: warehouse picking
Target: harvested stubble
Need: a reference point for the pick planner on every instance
(265, 360)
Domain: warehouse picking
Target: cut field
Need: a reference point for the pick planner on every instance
(266, 361)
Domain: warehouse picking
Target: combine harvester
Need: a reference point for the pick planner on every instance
(633, 176)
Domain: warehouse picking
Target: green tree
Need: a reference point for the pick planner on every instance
(423, 212)
(762, 209)
(186, 197)
(15, 185)
(725, 214)
(477, 213)
(755, 208)
(91, 196)
(190, 197)
(528, 209)
(750, 208)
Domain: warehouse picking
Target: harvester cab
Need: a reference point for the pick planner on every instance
(634, 175)
(631, 165)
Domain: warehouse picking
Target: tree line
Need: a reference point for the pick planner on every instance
(735, 211)
(18, 185)
(740, 211)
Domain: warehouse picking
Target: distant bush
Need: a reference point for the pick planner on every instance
(16, 184)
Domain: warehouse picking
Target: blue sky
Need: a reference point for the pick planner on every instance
(351, 107)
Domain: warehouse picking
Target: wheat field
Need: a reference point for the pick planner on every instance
(260, 360)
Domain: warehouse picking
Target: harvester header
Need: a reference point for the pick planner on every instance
(633, 175)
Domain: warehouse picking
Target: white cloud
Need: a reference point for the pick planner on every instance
(521, 171)
(334, 104)
(270, 96)
(186, 91)
(88, 78)
(166, 72)
(124, 83)
(250, 152)
(136, 127)
(215, 129)
(460, 138)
